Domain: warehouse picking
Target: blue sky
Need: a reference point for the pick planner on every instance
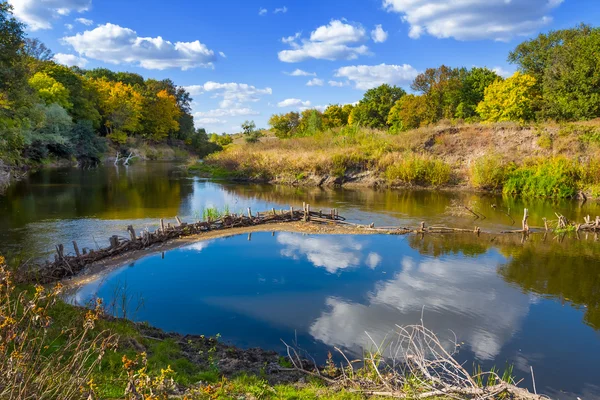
(238, 58)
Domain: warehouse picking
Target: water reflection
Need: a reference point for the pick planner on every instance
(330, 290)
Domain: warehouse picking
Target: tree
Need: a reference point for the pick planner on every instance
(250, 133)
(410, 112)
(510, 100)
(442, 90)
(221, 140)
(285, 125)
(50, 90)
(160, 115)
(372, 111)
(34, 48)
(336, 116)
(473, 88)
(201, 145)
(87, 146)
(50, 132)
(311, 122)
(120, 107)
(12, 68)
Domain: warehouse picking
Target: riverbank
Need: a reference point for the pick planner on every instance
(549, 160)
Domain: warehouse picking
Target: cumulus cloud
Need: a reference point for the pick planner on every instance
(226, 112)
(116, 45)
(70, 60)
(38, 14)
(210, 121)
(299, 72)
(468, 299)
(281, 10)
(369, 76)
(378, 34)
(502, 72)
(339, 40)
(232, 93)
(473, 19)
(69, 27)
(293, 103)
(262, 11)
(315, 82)
(85, 21)
(222, 54)
(331, 253)
(336, 83)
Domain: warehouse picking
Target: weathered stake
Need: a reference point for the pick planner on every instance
(76, 248)
(131, 233)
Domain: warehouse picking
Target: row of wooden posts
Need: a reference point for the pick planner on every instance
(65, 265)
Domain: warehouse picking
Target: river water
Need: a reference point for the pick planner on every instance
(532, 304)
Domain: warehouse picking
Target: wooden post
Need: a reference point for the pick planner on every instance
(178, 221)
(423, 226)
(525, 217)
(249, 213)
(60, 250)
(292, 212)
(76, 248)
(131, 233)
(114, 241)
(162, 225)
(274, 211)
(250, 237)
(545, 224)
(84, 251)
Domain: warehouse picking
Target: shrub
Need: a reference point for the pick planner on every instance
(488, 172)
(420, 170)
(555, 178)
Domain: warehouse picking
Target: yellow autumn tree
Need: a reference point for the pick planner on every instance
(121, 109)
(512, 99)
(160, 116)
(50, 90)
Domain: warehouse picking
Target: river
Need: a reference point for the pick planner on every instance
(532, 304)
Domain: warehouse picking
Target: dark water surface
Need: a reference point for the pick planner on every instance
(529, 304)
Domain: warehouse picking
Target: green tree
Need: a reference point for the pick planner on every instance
(87, 146)
(372, 111)
(442, 89)
(410, 112)
(475, 81)
(510, 100)
(160, 115)
(336, 116)
(50, 90)
(285, 125)
(251, 135)
(311, 122)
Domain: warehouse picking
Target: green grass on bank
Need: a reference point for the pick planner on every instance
(537, 161)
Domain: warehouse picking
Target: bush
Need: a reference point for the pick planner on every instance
(555, 178)
(488, 172)
(419, 170)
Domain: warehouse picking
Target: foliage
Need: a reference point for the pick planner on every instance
(488, 172)
(87, 146)
(221, 140)
(409, 112)
(555, 178)
(372, 111)
(565, 64)
(50, 90)
(38, 361)
(285, 125)
(201, 145)
(251, 135)
(49, 134)
(336, 116)
(513, 99)
(160, 115)
(311, 122)
(474, 83)
(419, 170)
(442, 90)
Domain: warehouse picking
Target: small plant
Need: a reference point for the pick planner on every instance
(488, 172)
(419, 170)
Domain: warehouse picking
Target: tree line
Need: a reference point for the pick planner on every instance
(558, 79)
(69, 112)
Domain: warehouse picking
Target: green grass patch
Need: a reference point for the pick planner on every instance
(419, 170)
(554, 178)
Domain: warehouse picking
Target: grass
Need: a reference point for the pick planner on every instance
(491, 157)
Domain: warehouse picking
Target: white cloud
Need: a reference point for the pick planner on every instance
(262, 11)
(232, 93)
(315, 82)
(116, 45)
(222, 54)
(293, 103)
(69, 27)
(85, 21)
(226, 112)
(299, 72)
(502, 72)
(210, 121)
(318, 108)
(70, 60)
(373, 260)
(330, 253)
(378, 34)
(281, 10)
(485, 324)
(337, 41)
(39, 14)
(369, 76)
(336, 83)
(473, 19)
